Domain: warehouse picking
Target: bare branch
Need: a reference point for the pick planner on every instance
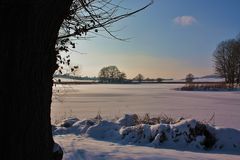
(89, 15)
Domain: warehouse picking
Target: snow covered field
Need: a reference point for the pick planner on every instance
(85, 101)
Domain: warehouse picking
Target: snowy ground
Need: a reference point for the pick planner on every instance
(93, 140)
(85, 101)
(82, 148)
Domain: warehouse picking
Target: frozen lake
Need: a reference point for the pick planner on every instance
(85, 101)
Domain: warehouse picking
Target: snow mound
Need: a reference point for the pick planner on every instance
(128, 120)
(79, 127)
(187, 134)
(104, 130)
(227, 139)
(68, 122)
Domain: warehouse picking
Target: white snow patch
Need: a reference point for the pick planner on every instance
(85, 148)
(104, 130)
(186, 135)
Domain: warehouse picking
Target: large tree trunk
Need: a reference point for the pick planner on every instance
(28, 61)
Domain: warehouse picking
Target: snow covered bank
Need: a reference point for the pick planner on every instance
(187, 134)
(85, 148)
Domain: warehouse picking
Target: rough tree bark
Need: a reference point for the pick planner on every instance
(28, 61)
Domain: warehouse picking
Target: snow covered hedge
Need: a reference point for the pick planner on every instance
(187, 134)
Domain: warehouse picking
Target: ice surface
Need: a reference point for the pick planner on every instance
(85, 101)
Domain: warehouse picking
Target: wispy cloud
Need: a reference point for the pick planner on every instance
(185, 20)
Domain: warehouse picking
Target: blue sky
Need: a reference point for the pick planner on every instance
(169, 39)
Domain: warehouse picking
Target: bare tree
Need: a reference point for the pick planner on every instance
(90, 16)
(29, 34)
(238, 37)
(139, 78)
(189, 78)
(122, 77)
(227, 61)
(238, 57)
(111, 74)
(159, 80)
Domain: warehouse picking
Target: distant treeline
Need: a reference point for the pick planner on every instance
(68, 76)
(109, 75)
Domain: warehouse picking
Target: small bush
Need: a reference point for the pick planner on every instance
(201, 130)
(146, 119)
(207, 87)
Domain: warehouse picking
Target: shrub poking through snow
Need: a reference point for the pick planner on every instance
(98, 117)
(203, 135)
(186, 134)
(156, 120)
(140, 134)
(128, 120)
